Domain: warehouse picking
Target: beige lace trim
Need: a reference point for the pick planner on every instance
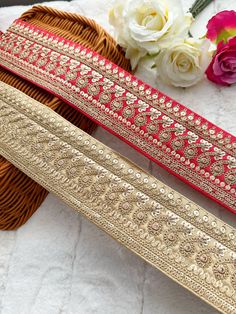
(167, 230)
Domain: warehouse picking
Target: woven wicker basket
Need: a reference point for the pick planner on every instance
(19, 195)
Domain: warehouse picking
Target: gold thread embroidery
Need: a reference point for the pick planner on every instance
(175, 235)
(194, 171)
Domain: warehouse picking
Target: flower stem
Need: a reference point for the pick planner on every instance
(199, 6)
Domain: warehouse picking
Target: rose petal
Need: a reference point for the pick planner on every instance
(229, 79)
(222, 26)
(228, 64)
(217, 68)
(232, 41)
(227, 67)
(211, 75)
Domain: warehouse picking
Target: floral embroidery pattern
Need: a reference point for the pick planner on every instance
(186, 144)
(169, 231)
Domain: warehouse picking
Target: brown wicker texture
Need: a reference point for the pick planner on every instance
(19, 195)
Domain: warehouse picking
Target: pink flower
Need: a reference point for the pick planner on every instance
(222, 69)
(222, 26)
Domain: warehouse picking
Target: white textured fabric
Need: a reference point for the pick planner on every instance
(58, 262)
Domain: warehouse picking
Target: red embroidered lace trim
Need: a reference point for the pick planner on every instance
(186, 144)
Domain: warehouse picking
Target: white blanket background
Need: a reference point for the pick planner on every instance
(58, 262)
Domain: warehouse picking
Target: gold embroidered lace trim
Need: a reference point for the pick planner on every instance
(167, 230)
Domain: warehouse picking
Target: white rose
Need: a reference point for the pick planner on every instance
(145, 26)
(183, 63)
